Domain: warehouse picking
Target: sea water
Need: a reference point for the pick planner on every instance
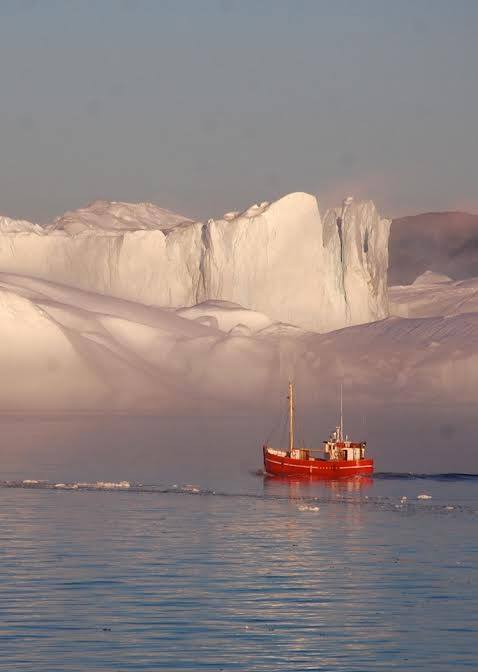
(241, 572)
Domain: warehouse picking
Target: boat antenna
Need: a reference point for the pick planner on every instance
(341, 413)
(291, 416)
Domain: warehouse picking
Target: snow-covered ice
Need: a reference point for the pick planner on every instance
(433, 294)
(117, 216)
(67, 349)
(139, 309)
(279, 258)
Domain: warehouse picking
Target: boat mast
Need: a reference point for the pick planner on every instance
(291, 416)
(341, 413)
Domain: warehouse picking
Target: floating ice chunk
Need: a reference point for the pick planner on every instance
(190, 488)
(307, 507)
(106, 485)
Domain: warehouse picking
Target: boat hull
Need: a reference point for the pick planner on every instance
(277, 465)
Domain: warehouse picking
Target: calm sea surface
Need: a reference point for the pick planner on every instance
(243, 573)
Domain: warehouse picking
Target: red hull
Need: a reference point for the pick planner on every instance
(277, 465)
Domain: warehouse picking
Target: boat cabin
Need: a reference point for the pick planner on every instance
(339, 448)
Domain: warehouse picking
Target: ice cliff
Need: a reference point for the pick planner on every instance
(281, 259)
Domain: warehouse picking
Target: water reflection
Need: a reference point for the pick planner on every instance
(129, 580)
(302, 487)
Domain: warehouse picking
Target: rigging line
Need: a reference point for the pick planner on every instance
(299, 424)
(277, 423)
(284, 429)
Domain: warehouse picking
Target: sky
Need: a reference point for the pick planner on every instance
(206, 106)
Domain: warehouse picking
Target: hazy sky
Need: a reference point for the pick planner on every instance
(204, 106)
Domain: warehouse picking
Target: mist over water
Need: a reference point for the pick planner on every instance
(220, 449)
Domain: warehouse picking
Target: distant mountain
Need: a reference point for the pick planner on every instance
(443, 242)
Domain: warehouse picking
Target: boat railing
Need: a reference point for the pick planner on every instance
(275, 451)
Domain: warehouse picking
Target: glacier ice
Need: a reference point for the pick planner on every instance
(66, 349)
(280, 259)
(434, 294)
(133, 308)
(117, 216)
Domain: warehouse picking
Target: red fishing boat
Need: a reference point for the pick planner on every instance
(340, 457)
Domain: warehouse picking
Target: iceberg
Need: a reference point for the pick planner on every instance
(65, 349)
(280, 259)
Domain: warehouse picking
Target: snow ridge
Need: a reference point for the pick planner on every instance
(118, 216)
